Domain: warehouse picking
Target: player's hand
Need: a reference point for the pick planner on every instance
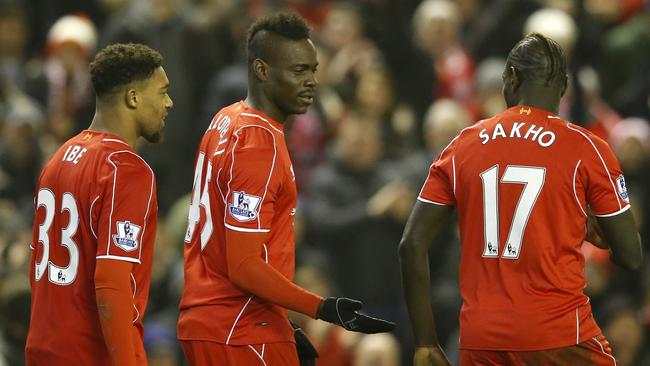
(344, 312)
(307, 354)
(430, 356)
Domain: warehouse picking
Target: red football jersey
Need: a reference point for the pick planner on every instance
(243, 181)
(522, 182)
(95, 200)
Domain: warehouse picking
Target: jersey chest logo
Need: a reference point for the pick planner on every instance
(127, 236)
(243, 206)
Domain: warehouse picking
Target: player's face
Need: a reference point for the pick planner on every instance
(292, 83)
(154, 105)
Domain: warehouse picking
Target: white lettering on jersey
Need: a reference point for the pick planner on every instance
(534, 133)
(221, 124)
(73, 153)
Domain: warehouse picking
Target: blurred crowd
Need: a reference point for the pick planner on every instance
(398, 80)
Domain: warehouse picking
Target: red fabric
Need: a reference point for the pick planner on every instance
(115, 303)
(91, 188)
(247, 269)
(250, 188)
(592, 352)
(525, 297)
(204, 353)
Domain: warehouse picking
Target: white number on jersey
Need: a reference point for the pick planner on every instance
(58, 275)
(533, 180)
(200, 197)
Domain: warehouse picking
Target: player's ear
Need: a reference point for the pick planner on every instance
(565, 85)
(131, 98)
(514, 78)
(260, 69)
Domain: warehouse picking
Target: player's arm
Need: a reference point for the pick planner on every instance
(620, 233)
(608, 199)
(422, 227)
(115, 304)
(124, 223)
(247, 270)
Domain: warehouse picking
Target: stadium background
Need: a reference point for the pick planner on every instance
(398, 79)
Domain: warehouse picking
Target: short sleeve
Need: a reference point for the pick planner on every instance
(441, 182)
(127, 217)
(603, 179)
(251, 190)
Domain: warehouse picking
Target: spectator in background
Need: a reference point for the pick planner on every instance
(489, 85)
(375, 98)
(358, 207)
(343, 35)
(71, 43)
(437, 30)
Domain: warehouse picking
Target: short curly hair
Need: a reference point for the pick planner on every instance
(120, 64)
(288, 25)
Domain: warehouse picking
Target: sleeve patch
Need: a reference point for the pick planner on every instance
(622, 188)
(244, 206)
(127, 236)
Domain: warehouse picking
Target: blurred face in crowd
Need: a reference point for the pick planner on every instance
(291, 75)
(358, 144)
(153, 103)
(13, 34)
(437, 25)
(342, 27)
(443, 121)
(374, 91)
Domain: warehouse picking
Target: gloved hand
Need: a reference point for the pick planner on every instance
(343, 312)
(307, 354)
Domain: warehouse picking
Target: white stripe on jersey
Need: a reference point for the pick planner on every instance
(432, 202)
(127, 259)
(263, 119)
(110, 217)
(232, 154)
(568, 125)
(575, 194)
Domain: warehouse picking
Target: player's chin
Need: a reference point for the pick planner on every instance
(155, 137)
(300, 108)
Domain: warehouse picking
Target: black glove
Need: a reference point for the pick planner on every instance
(343, 311)
(307, 354)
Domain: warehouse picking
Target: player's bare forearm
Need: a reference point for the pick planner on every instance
(621, 233)
(417, 285)
(422, 227)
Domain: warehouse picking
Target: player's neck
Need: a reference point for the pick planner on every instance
(256, 101)
(541, 99)
(110, 120)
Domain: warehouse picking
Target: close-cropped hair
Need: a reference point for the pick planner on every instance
(120, 64)
(538, 59)
(288, 25)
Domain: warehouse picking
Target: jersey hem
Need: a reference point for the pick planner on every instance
(614, 213)
(117, 257)
(433, 202)
(246, 230)
(582, 339)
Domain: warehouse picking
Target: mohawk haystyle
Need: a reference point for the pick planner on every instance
(288, 25)
(538, 59)
(120, 64)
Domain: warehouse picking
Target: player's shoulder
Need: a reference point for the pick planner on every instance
(467, 133)
(126, 161)
(585, 137)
